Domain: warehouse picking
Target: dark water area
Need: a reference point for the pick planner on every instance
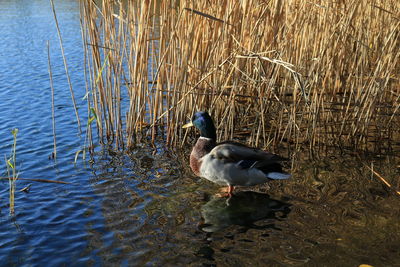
(146, 208)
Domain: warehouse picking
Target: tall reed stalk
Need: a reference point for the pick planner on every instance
(53, 119)
(66, 65)
(305, 73)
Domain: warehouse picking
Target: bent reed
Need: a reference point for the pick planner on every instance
(306, 73)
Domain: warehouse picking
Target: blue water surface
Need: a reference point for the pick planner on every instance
(52, 219)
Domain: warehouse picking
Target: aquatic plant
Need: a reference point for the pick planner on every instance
(305, 73)
(12, 171)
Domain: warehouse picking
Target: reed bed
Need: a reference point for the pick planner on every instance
(297, 72)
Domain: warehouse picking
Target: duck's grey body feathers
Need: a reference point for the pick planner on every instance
(232, 164)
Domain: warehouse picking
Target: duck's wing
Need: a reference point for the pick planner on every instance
(236, 152)
(244, 157)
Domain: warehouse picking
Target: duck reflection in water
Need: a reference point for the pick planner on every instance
(242, 209)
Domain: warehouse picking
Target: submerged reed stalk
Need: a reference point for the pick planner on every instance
(298, 72)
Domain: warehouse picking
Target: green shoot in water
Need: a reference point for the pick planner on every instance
(12, 170)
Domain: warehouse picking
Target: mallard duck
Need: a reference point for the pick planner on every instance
(229, 163)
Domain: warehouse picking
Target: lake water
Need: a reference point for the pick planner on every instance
(147, 208)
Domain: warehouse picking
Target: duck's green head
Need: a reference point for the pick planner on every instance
(202, 121)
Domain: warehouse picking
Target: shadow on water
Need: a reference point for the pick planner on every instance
(243, 209)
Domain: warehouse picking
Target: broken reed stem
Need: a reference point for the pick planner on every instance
(308, 74)
(382, 179)
(54, 155)
(66, 66)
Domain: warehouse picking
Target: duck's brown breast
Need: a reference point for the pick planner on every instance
(202, 147)
(195, 164)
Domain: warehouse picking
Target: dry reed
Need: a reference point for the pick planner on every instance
(314, 73)
(65, 65)
(53, 119)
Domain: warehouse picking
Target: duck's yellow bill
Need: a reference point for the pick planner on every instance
(187, 125)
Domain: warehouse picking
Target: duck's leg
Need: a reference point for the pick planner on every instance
(230, 189)
(226, 191)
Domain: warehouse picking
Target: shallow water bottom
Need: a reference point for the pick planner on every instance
(148, 209)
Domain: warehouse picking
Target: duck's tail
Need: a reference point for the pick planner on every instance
(274, 171)
(278, 175)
